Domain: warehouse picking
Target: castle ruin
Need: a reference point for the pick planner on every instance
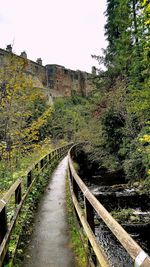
(55, 80)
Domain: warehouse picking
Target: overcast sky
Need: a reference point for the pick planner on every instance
(64, 32)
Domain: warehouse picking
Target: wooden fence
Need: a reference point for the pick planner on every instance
(86, 218)
(16, 191)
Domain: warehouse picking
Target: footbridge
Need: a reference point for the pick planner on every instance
(49, 244)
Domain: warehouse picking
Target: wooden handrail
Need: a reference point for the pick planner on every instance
(133, 249)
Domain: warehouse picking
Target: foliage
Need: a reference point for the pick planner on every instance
(9, 175)
(127, 32)
(123, 111)
(113, 118)
(23, 113)
(123, 215)
(113, 122)
(67, 118)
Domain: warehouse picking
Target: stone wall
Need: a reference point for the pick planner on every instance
(56, 79)
(38, 71)
(35, 70)
(67, 81)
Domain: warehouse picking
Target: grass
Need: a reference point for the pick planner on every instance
(75, 238)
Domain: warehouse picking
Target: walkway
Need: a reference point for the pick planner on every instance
(49, 246)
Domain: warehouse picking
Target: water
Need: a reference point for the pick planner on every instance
(116, 254)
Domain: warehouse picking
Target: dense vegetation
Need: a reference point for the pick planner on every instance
(125, 117)
(23, 112)
(114, 119)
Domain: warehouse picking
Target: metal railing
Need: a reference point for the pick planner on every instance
(16, 190)
(86, 218)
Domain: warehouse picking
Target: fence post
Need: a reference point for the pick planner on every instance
(56, 154)
(45, 161)
(75, 190)
(41, 163)
(37, 166)
(3, 230)
(18, 194)
(75, 187)
(29, 178)
(3, 224)
(89, 213)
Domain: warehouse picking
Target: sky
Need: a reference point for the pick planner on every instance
(64, 32)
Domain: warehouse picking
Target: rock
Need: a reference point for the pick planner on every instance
(136, 184)
(134, 218)
(96, 222)
(140, 186)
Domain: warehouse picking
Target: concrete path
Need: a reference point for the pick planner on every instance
(49, 246)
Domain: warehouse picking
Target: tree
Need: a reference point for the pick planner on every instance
(127, 32)
(19, 127)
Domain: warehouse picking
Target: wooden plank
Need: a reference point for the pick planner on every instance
(125, 239)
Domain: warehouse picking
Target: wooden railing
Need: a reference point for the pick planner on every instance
(20, 190)
(86, 217)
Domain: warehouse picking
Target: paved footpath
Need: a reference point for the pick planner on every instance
(49, 246)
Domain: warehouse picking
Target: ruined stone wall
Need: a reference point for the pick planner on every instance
(35, 71)
(58, 80)
(67, 81)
